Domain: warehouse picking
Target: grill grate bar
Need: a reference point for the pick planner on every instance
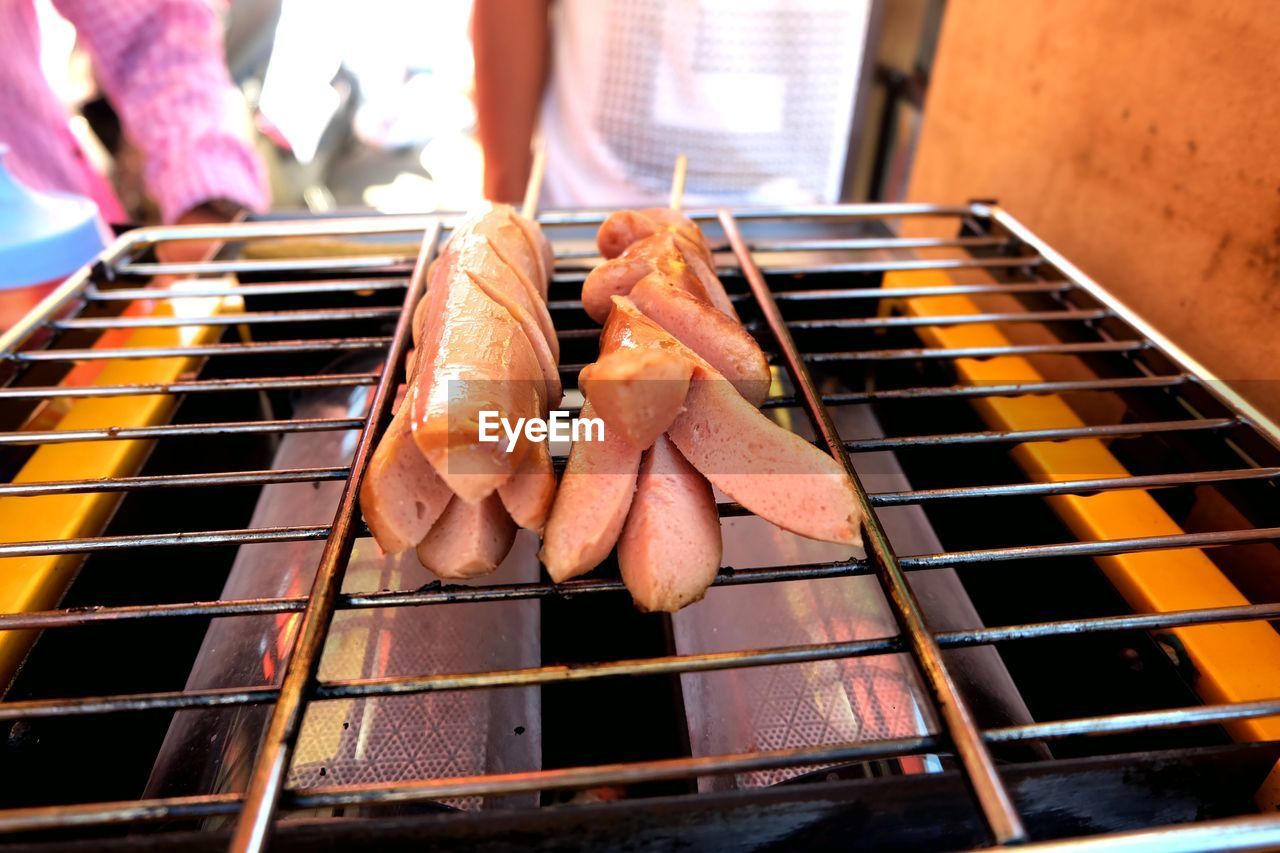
(169, 700)
(910, 265)
(249, 318)
(877, 293)
(858, 244)
(131, 294)
(979, 769)
(1137, 721)
(63, 436)
(435, 594)
(265, 348)
(266, 782)
(1003, 389)
(895, 322)
(197, 386)
(1083, 348)
(607, 774)
(872, 244)
(129, 484)
(1074, 487)
(36, 818)
(1048, 434)
(873, 293)
(578, 276)
(618, 774)
(356, 262)
(88, 544)
(672, 664)
(77, 616)
(1096, 548)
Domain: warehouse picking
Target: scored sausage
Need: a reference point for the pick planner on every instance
(474, 358)
(616, 277)
(624, 227)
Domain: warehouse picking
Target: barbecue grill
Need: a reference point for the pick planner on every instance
(1141, 734)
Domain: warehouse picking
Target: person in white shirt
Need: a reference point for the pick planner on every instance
(758, 93)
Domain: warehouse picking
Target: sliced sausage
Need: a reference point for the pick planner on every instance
(624, 227)
(638, 392)
(591, 504)
(616, 277)
(529, 493)
(771, 471)
(721, 340)
(469, 539)
(401, 496)
(542, 248)
(511, 240)
(670, 549)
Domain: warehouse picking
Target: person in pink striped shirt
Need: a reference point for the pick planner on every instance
(160, 62)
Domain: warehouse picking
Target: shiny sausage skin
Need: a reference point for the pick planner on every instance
(721, 340)
(474, 357)
(624, 227)
(616, 277)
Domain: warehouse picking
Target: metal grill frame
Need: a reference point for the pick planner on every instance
(257, 807)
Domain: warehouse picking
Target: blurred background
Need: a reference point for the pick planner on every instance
(369, 103)
(1137, 138)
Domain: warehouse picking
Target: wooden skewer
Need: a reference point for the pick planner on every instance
(533, 189)
(677, 181)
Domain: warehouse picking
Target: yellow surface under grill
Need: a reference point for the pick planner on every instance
(39, 582)
(1236, 662)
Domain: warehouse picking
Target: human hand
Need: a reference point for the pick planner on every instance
(215, 212)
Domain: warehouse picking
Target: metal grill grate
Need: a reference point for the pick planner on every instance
(1129, 358)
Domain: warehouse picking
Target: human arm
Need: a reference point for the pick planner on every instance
(511, 40)
(161, 64)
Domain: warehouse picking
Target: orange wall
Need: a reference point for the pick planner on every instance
(1140, 138)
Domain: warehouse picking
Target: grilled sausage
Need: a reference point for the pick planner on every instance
(771, 471)
(474, 357)
(670, 548)
(624, 227)
(638, 393)
(616, 277)
(542, 249)
(722, 341)
(499, 282)
(591, 504)
(518, 242)
(469, 539)
(401, 496)
(527, 496)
